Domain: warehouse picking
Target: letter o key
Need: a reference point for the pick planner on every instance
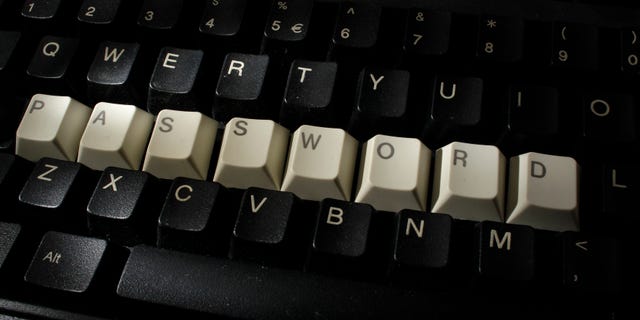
(389, 150)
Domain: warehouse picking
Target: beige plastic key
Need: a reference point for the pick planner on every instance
(116, 136)
(51, 127)
(543, 192)
(394, 174)
(321, 163)
(181, 145)
(469, 182)
(252, 154)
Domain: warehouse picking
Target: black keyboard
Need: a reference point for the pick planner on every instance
(327, 160)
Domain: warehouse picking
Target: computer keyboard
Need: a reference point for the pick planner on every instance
(318, 159)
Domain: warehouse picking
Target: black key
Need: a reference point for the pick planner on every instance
(263, 227)
(8, 234)
(50, 68)
(240, 90)
(574, 46)
(40, 9)
(111, 75)
(173, 83)
(500, 38)
(240, 290)
(588, 264)
(55, 193)
(533, 110)
(504, 251)
(288, 20)
(188, 221)
(455, 110)
(66, 262)
(422, 240)
(98, 11)
(619, 191)
(630, 50)
(159, 14)
(8, 42)
(309, 93)
(357, 25)
(381, 103)
(121, 206)
(222, 17)
(427, 32)
(340, 239)
(609, 118)
(13, 172)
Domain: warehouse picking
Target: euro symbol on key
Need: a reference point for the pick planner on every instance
(297, 28)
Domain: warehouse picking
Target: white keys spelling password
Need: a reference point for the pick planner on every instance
(543, 192)
(469, 182)
(394, 174)
(51, 127)
(181, 145)
(252, 154)
(321, 163)
(116, 136)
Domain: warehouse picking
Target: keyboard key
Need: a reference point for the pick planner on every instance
(500, 38)
(181, 145)
(222, 17)
(357, 25)
(189, 219)
(533, 110)
(55, 193)
(588, 263)
(381, 103)
(51, 127)
(456, 108)
(288, 21)
(66, 262)
(630, 50)
(120, 206)
(98, 11)
(321, 163)
(253, 153)
(609, 118)
(40, 9)
(173, 83)
(422, 241)
(242, 290)
(543, 192)
(618, 191)
(262, 231)
(159, 14)
(51, 63)
(240, 91)
(111, 75)
(116, 136)
(340, 240)
(469, 182)
(394, 174)
(8, 234)
(427, 32)
(13, 173)
(574, 46)
(8, 43)
(309, 93)
(504, 251)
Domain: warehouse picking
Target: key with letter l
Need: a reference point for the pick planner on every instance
(321, 163)
(395, 174)
(543, 192)
(181, 145)
(52, 127)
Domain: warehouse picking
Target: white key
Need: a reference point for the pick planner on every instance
(51, 127)
(116, 136)
(469, 182)
(252, 154)
(321, 163)
(543, 192)
(394, 174)
(180, 146)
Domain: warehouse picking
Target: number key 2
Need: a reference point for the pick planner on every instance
(499, 38)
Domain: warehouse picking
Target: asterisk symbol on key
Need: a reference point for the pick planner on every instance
(491, 23)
